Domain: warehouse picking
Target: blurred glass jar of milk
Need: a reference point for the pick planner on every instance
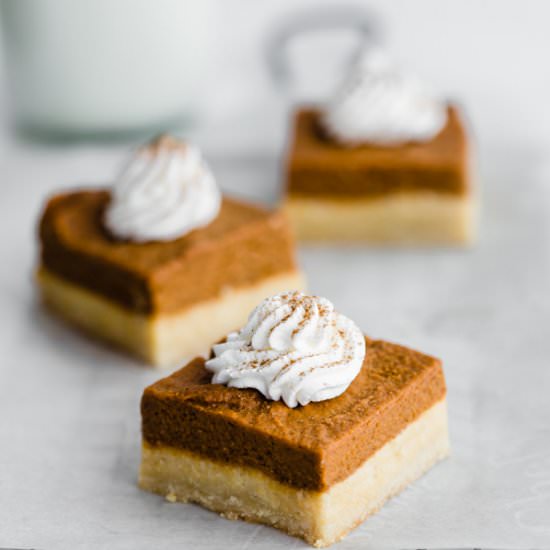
(105, 67)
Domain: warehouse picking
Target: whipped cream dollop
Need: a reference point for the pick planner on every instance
(295, 348)
(164, 192)
(379, 104)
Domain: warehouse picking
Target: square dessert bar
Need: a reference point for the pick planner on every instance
(417, 193)
(162, 300)
(315, 471)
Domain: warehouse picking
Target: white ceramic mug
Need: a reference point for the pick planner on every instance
(361, 22)
(81, 67)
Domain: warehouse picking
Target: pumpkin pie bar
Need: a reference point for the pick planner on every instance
(314, 471)
(366, 168)
(162, 264)
(416, 193)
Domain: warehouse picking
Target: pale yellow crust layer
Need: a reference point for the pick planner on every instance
(162, 340)
(320, 518)
(420, 218)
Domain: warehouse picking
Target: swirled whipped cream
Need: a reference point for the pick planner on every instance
(379, 104)
(295, 348)
(165, 191)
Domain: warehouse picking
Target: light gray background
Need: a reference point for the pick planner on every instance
(69, 420)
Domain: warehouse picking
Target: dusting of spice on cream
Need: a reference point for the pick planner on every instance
(164, 192)
(295, 348)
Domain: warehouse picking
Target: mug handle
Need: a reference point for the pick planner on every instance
(336, 17)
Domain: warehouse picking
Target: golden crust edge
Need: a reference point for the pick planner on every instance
(162, 340)
(398, 219)
(317, 509)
